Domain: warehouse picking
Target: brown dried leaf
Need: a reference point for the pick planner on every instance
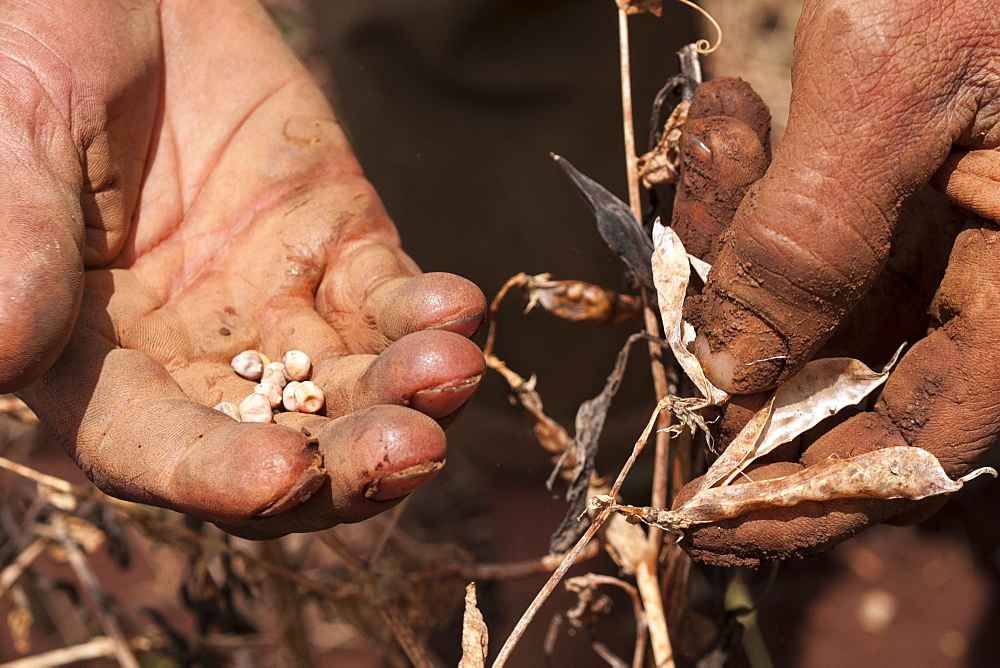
(671, 273)
(626, 543)
(900, 472)
(475, 636)
(821, 389)
(662, 164)
(58, 498)
(581, 302)
(654, 7)
(82, 532)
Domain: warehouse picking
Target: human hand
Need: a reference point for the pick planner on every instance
(839, 245)
(177, 191)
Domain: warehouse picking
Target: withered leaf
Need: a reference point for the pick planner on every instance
(662, 164)
(900, 472)
(821, 389)
(475, 636)
(671, 272)
(618, 227)
(589, 424)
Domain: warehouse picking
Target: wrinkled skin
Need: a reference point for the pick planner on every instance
(176, 191)
(840, 249)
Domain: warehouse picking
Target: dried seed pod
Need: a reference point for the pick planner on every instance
(229, 409)
(256, 408)
(250, 364)
(270, 390)
(274, 373)
(297, 365)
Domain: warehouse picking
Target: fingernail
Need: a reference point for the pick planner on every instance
(444, 399)
(395, 485)
(466, 326)
(745, 357)
(308, 482)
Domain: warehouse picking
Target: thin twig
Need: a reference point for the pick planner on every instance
(548, 588)
(660, 465)
(401, 629)
(403, 632)
(78, 562)
(13, 571)
(98, 647)
(637, 610)
(388, 529)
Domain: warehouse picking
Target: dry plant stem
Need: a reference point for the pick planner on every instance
(387, 531)
(13, 571)
(288, 608)
(77, 560)
(98, 647)
(568, 560)
(659, 492)
(628, 128)
(53, 482)
(523, 569)
(144, 515)
(401, 629)
(404, 635)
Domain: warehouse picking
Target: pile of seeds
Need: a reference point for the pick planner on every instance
(283, 385)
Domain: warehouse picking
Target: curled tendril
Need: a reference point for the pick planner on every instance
(703, 46)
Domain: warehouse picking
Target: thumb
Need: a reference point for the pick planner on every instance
(875, 110)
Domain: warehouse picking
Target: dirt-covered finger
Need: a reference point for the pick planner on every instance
(941, 397)
(375, 457)
(811, 236)
(724, 148)
(377, 296)
(434, 372)
(132, 430)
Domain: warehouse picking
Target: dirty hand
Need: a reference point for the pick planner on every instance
(840, 241)
(177, 191)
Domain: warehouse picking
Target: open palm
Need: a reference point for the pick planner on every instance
(180, 155)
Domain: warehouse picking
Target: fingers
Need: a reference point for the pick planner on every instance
(941, 397)
(374, 295)
(972, 178)
(375, 457)
(133, 432)
(724, 148)
(136, 434)
(433, 372)
(811, 235)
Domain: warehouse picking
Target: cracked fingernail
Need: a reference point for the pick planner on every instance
(394, 485)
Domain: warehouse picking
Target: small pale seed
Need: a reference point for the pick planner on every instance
(256, 408)
(288, 398)
(249, 364)
(297, 365)
(274, 373)
(229, 409)
(271, 391)
(309, 397)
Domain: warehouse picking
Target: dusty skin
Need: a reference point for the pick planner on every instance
(840, 249)
(178, 191)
